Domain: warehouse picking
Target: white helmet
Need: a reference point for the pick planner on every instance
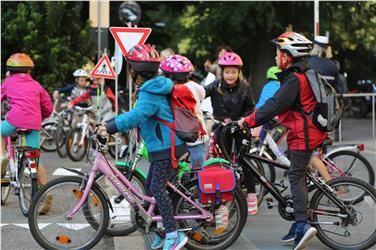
(295, 43)
(80, 72)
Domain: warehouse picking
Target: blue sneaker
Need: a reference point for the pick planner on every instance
(290, 236)
(175, 243)
(157, 242)
(303, 235)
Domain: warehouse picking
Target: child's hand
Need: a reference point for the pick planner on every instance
(240, 123)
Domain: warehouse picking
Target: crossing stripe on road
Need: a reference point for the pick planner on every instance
(64, 172)
(25, 225)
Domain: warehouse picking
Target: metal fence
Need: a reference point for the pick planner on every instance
(371, 95)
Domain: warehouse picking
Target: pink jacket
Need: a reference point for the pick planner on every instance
(29, 101)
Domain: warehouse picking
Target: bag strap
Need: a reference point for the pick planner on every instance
(171, 125)
(304, 114)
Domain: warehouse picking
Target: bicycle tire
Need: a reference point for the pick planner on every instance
(56, 184)
(120, 229)
(70, 147)
(51, 145)
(26, 194)
(60, 140)
(365, 164)
(222, 242)
(317, 203)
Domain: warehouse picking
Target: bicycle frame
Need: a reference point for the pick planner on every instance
(130, 193)
(274, 191)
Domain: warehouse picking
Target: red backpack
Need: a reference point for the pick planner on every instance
(186, 125)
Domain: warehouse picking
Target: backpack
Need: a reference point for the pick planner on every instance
(186, 125)
(216, 184)
(330, 105)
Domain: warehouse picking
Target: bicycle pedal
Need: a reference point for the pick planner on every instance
(270, 203)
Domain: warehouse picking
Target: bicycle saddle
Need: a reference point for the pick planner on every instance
(24, 131)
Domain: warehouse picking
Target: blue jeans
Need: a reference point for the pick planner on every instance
(197, 155)
(32, 139)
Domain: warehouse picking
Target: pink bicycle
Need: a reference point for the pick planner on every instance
(79, 213)
(22, 172)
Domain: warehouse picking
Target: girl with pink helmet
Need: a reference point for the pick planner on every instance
(179, 68)
(232, 99)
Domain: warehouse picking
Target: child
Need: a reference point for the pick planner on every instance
(178, 68)
(103, 100)
(295, 93)
(153, 102)
(29, 105)
(231, 99)
(75, 89)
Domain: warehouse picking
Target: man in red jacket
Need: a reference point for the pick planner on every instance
(292, 103)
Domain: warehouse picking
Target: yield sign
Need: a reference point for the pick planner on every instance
(126, 38)
(103, 69)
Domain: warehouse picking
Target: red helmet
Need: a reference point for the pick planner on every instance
(143, 58)
(19, 62)
(230, 59)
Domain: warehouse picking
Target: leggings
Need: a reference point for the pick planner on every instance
(158, 175)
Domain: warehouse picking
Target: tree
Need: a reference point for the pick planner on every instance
(197, 28)
(52, 33)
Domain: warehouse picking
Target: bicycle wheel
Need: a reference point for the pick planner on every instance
(28, 187)
(76, 152)
(354, 165)
(47, 137)
(202, 235)
(60, 140)
(120, 219)
(352, 227)
(47, 219)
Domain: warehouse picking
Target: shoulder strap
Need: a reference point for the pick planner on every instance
(299, 108)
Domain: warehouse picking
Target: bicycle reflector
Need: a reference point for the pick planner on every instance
(63, 239)
(361, 147)
(32, 154)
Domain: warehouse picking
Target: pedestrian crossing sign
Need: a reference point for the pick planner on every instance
(103, 69)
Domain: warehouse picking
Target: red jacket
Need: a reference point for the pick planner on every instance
(295, 92)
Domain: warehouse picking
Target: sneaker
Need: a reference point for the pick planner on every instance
(221, 219)
(157, 242)
(47, 204)
(252, 203)
(175, 243)
(290, 236)
(303, 236)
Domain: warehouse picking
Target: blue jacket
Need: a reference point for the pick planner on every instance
(267, 92)
(153, 101)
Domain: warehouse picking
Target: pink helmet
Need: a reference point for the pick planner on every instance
(230, 59)
(176, 64)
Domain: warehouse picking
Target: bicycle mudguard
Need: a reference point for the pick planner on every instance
(211, 161)
(127, 165)
(95, 184)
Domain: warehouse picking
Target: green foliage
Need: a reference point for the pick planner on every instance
(52, 33)
(196, 28)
